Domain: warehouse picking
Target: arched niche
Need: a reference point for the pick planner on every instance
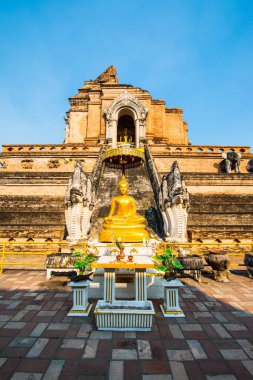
(126, 127)
(125, 109)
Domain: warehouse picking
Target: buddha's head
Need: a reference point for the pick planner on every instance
(123, 186)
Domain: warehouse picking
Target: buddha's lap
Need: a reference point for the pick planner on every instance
(125, 221)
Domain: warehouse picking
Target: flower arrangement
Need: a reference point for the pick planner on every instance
(166, 261)
(119, 243)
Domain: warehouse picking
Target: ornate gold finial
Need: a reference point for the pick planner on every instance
(123, 181)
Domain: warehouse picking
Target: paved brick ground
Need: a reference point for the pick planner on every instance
(214, 341)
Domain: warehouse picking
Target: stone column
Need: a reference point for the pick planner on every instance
(171, 307)
(137, 133)
(109, 285)
(140, 285)
(81, 306)
(114, 133)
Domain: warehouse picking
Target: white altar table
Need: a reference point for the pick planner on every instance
(112, 314)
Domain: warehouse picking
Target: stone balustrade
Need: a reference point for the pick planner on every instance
(38, 148)
(177, 149)
(173, 149)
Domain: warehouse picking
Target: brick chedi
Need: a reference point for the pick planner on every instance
(105, 113)
(86, 121)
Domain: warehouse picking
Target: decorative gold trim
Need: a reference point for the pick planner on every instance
(172, 311)
(125, 265)
(112, 152)
(81, 311)
(152, 312)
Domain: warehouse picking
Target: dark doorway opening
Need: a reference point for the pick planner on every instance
(126, 130)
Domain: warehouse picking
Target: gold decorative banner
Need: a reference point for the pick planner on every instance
(123, 157)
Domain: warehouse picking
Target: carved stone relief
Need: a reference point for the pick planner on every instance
(3, 165)
(172, 199)
(174, 204)
(53, 163)
(79, 204)
(27, 164)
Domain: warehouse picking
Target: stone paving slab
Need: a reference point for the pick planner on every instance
(213, 341)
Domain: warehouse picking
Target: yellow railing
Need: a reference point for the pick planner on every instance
(44, 251)
(206, 246)
(234, 249)
(197, 248)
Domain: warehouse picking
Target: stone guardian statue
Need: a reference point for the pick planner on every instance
(231, 162)
(79, 204)
(174, 204)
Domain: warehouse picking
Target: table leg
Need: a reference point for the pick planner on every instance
(109, 285)
(140, 285)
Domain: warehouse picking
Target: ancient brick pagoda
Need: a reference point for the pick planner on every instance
(104, 115)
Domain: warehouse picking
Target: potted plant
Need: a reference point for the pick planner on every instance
(191, 263)
(219, 261)
(166, 261)
(80, 284)
(248, 261)
(84, 263)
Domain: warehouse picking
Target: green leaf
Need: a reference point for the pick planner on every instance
(86, 261)
(168, 251)
(160, 267)
(76, 254)
(160, 257)
(79, 264)
(177, 264)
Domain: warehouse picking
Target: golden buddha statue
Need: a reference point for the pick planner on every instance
(126, 223)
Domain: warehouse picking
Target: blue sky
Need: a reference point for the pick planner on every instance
(195, 54)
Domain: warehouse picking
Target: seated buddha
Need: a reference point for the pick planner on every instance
(123, 221)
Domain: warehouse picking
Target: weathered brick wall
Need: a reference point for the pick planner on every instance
(31, 201)
(221, 217)
(31, 205)
(32, 217)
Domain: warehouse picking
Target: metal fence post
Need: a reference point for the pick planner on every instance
(2, 260)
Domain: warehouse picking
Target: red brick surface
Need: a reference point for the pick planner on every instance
(216, 323)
